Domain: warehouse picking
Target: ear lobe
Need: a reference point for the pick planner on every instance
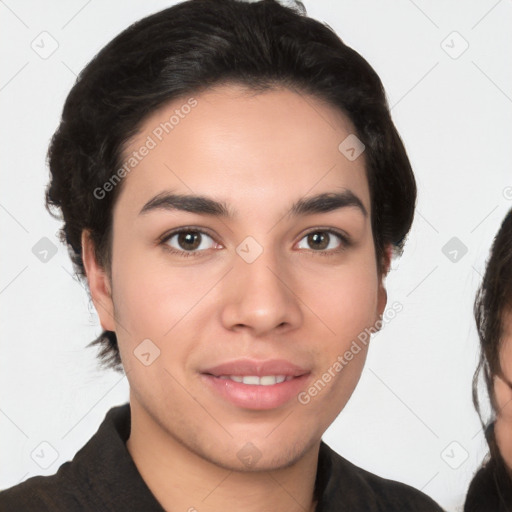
(388, 255)
(99, 284)
(382, 298)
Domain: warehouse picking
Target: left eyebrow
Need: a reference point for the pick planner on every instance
(327, 202)
(202, 205)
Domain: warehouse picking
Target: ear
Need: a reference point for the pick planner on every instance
(99, 284)
(382, 298)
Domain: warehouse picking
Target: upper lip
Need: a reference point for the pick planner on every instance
(245, 367)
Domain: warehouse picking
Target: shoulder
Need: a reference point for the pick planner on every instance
(77, 484)
(372, 492)
(490, 489)
(394, 495)
(41, 493)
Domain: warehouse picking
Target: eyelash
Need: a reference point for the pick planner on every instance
(344, 240)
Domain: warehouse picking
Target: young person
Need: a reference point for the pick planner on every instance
(233, 190)
(491, 488)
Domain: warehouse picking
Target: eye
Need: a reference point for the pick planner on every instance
(323, 241)
(188, 241)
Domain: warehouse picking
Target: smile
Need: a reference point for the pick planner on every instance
(254, 380)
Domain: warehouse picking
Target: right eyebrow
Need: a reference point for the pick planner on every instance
(187, 203)
(320, 203)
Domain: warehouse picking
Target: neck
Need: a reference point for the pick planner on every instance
(181, 480)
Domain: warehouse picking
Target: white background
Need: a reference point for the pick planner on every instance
(414, 397)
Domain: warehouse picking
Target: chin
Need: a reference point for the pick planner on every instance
(246, 456)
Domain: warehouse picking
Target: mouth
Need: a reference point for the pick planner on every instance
(252, 369)
(254, 380)
(256, 385)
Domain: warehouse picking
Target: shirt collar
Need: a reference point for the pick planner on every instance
(105, 468)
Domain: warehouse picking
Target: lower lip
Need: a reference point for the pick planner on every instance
(256, 397)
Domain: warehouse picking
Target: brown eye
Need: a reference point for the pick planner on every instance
(190, 241)
(322, 240)
(318, 241)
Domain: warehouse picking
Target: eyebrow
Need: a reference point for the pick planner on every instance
(202, 205)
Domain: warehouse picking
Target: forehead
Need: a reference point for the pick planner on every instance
(234, 144)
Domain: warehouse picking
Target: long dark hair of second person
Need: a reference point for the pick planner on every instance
(491, 488)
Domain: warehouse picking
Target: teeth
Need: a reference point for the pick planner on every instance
(254, 380)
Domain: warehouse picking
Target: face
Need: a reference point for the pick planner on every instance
(214, 304)
(503, 394)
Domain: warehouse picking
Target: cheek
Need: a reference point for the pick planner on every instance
(506, 356)
(346, 303)
(504, 402)
(138, 297)
(345, 298)
(151, 297)
(502, 391)
(503, 425)
(503, 432)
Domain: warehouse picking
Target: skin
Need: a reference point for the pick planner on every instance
(259, 153)
(503, 394)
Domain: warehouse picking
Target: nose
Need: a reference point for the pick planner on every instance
(259, 297)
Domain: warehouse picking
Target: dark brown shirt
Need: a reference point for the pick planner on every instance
(103, 477)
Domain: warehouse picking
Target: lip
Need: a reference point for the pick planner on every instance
(253, 367)
(256, 397)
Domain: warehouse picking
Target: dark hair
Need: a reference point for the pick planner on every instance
(189, 48)
(493, 301)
